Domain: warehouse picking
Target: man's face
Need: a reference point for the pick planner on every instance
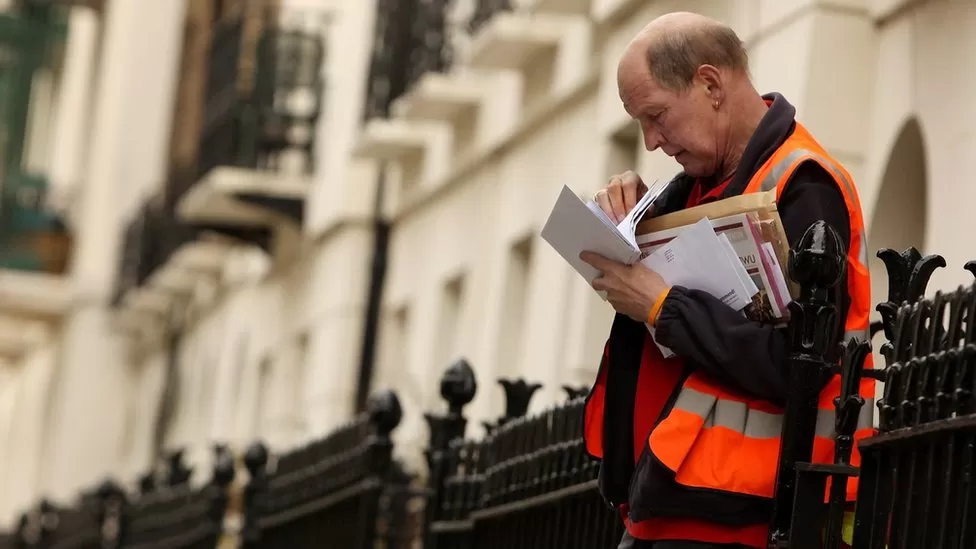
(682, 124)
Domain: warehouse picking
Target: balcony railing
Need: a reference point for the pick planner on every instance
(32, 238)
(432, 49)
(262, 126)
(395, 34)
(261, 108)
(150, 238)
(484, 11)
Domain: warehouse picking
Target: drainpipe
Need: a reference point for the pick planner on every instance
(374, 296)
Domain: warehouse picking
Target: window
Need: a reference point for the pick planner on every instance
(514, 306)
(450, 315)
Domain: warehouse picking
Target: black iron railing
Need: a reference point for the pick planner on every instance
(91, 523)
(134, 258)
(288, 91)
(432, 51)
(483, 12)
(249, 122)
(262, 101)
(179, 516)
(918, 476)
(393, 46)
(330, 489)
(411, 38)
(149, 239)
(32, 236)
(527, 482)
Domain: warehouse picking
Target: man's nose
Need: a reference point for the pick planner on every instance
(652, 139)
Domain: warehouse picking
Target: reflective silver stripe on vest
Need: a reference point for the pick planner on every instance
(779, 169)
(738, 417)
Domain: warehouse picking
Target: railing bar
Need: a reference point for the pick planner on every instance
(925, 430)
(899, 495)
(967, 530)
(282, 517)
(945, 512)
(533, 501)
(451, 526)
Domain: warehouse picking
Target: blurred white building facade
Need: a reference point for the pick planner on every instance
(252, 327)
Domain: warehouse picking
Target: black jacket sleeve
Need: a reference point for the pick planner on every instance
(715, 339)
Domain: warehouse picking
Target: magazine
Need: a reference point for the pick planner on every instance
(769, 304)
(700, 258)
(575, 226)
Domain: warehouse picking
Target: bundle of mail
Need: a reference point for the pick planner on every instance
(733, 249)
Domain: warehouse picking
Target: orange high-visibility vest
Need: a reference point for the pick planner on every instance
(722, 439)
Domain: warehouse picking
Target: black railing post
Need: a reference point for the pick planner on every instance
(848, 409)
(111, 500)
(385, 414)
(178, 473)
(817, 264)
(256, 462)
(458, 388)
(220, 481)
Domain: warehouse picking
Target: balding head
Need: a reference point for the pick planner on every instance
(685, 78)
(673, 47)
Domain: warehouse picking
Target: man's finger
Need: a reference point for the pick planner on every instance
(630, 183)
(616, 194)
(603, 200)
(598, 262)
(599, 284)
(630, 196)
(641, 189)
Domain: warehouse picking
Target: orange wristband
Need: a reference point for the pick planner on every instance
(656, 309)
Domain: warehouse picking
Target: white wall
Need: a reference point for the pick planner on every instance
(26, 399)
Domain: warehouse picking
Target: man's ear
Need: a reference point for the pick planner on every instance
(711, 79)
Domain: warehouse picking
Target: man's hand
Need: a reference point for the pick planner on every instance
(620, 195)
(631, 289)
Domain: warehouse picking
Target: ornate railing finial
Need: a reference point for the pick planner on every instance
(458, 386)
(384, 412)
(178, 472)
(256, 463)
(908, 276)
(572, 393)
(223, 469)
(817, 264)
(518, 394)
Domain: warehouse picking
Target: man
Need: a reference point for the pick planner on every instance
(689, 445)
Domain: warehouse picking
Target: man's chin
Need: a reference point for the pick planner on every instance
(695, 169)
(692, 169)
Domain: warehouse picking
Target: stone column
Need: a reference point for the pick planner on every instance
(141, 46)
(19, 477)
(73, 108)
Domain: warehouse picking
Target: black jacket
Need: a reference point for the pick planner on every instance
(714, 339)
